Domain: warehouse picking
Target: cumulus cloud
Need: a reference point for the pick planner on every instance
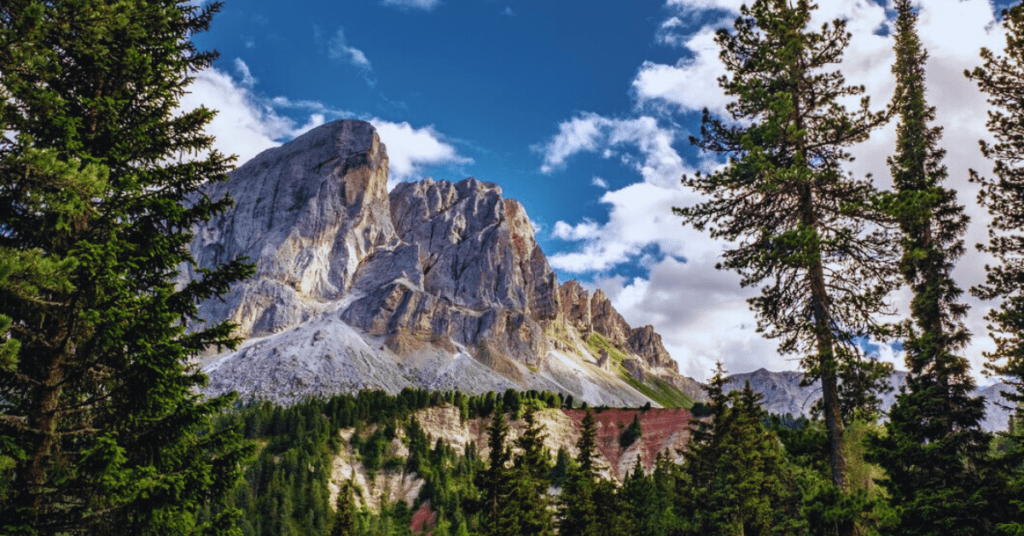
(425, 5)
(243, 125)
(701, 312)
(670, 32)
(599, 182)
(591, 133)
(411, 149)
(248, 123)
(638, 215)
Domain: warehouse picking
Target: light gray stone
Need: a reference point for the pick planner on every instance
(435, 285)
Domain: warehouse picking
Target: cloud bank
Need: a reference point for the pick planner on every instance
(702, 312)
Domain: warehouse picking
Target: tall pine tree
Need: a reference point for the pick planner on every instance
(1001, 77)
(803, 228)
(531, 470)
(98, 181)
(730, 481)
(577, 510)
(933, 448)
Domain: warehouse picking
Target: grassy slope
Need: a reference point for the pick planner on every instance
(658, 390)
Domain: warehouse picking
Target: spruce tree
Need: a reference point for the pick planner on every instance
(933, 447)
(577, 510)
(497, 482)
(345, 519)
(98, 182)
(1001, 77)
(730, 479)
(803, 229)
(532, 467)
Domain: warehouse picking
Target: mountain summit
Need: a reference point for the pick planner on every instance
(435, 285)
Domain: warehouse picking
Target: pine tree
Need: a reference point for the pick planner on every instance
(345, 519)
(804, 230)
(98, 181)
(498, 484)
(1001, 77)
(532, 468)
(933, 448)
(730, 482)
(577, 509)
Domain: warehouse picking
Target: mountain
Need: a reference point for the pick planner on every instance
(783, 393)
(434, 285)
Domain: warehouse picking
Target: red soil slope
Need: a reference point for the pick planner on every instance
(661, 430)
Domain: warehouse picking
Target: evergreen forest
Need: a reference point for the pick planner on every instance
(103, 429)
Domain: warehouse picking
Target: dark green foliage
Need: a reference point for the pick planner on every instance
(103, 431)
(345, 518)
(933, 449)
(631, 433)
(1001, 77)
(532, 468)
(732, 481)
(577, 513)
(803, 228)
(498, 483)
(646, 505)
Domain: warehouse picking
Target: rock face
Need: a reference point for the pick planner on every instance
(434, 285)
(309, 214)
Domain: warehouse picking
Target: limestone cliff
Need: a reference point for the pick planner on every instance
(435, 285)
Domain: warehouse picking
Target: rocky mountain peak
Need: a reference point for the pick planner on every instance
(437, 285)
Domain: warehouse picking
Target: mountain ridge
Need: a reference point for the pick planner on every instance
(436, 284)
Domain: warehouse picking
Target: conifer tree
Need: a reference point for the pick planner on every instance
(500, 509)
(577, 510)
(1001, 77)
(98, 182)
(933, 448)
(730, 476)
(532, 467)
(345, 519)
(803, 228)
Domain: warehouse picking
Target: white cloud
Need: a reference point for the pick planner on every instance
(669, 33)
(242, 126)
(689, 85)
(338, 49)
(411, 149)
(701, 312)
(507, 12)
(639, 215)
(247, 123)
(425, 5)
(599, 182)
(591, 133)
(248, 80)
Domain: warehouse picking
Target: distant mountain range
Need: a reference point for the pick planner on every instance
(782, 394)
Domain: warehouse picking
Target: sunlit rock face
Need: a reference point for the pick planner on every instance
(435, 285)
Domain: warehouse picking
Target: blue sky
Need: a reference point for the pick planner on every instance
(581, 111)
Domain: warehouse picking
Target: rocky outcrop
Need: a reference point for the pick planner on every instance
(607, 321)
(308, 213)
(575, 307)
(428, 276)
(645, 343)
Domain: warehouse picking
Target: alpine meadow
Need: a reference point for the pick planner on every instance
(347, 333)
